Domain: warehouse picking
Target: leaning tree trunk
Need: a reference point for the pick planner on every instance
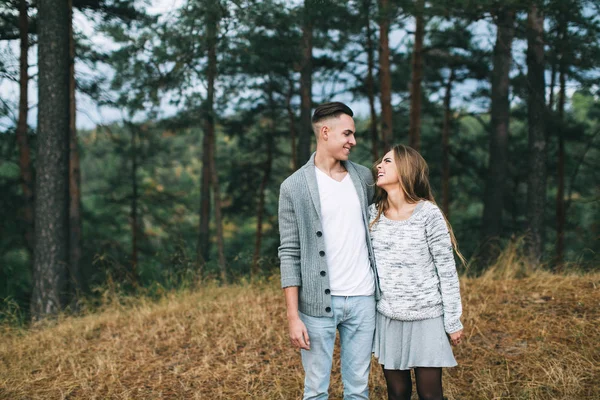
(51, 253)
(211, 37)
(536, 108)
(446, 146)
(493, 206)
(76, 278)
(385, 80)
(370, 81)
(414, 130)
(306, 132)
(22, 141)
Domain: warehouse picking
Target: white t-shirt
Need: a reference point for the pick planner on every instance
(346, 250)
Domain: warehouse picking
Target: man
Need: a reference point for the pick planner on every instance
(327, 266)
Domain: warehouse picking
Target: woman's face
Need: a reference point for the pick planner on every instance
(387, 172)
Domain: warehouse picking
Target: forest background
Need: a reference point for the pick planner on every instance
(210, 104)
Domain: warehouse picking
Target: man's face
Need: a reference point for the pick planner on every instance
(339, 136)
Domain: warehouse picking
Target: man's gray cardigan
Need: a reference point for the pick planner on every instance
(302, 249)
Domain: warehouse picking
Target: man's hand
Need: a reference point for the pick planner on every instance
(298, 334)
(456, 337)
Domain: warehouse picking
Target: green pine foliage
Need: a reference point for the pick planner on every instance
(160, 61)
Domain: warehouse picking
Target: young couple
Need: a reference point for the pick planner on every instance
(381, 273)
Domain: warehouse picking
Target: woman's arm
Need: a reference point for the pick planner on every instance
(440, 247)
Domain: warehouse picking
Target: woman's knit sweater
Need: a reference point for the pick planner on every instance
(415, 264)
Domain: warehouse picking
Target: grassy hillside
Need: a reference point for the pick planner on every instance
(532, 338)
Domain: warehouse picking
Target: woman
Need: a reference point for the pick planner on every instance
(418, 315)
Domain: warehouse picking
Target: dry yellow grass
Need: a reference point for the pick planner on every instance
(532, 338)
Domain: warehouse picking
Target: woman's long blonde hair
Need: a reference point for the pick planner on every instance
(413, 174)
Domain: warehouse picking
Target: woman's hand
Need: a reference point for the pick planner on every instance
(456, 337)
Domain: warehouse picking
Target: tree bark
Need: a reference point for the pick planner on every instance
(22, 128)
(292, 122)
(211, 75)
(51, 252)
(446, 145)
(261, 206)
(260, 211)
(536, 105)
(500, 113)
(414, 131)
(203, 251)
(134, 204)
(217, 206)
(552, 84)
(306, 132)
(370, 85)
(76, 278)
(560, 190)
(385, 79)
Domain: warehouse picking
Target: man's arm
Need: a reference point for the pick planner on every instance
(291, 276)
(289, 244)
(298, 333)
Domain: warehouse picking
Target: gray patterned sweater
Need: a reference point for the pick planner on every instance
(415, 264)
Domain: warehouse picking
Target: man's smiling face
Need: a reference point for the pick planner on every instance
(339, 136)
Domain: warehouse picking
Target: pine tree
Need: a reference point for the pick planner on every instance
(52, 190)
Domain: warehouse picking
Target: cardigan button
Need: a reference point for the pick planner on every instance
(322, 253)
(323, 273)
(319, 233)
(327, 291)
(327, 309)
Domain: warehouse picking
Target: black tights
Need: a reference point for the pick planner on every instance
(399, 384)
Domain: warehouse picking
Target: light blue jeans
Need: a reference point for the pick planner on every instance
(354, 317)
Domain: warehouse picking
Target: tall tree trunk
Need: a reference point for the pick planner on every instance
(76, 279)
(514, 200)
(306, 132)
(292, 122)
(217, 205)
(385, 80)
(211, 76)
(500, 113)
(446, 146)
(134, 204)
(22, 140)
(51, 253)
(261, 205)
(536, 106)
(560, 192)
(552, 84)
(414, 131)
(370, 81)
(263, 185)
(203, 250)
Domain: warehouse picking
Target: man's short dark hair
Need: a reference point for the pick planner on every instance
(333, 109)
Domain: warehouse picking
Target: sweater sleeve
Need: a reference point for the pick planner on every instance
(289, 248)
(370, 186)
(372, 212)
(440, 247)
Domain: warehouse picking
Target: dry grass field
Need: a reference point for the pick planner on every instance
(532, 338)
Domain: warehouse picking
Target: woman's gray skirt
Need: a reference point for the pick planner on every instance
(410, 344)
